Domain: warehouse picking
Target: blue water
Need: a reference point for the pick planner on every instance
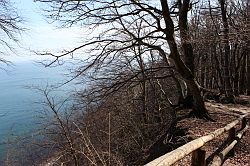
(19, 105)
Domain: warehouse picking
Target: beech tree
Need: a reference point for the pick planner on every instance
(115, 22)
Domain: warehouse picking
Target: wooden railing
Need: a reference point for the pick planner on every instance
(198, 154)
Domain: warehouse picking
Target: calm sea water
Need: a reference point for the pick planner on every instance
(19, 105)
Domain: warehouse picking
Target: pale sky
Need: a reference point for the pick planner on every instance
(40, 35)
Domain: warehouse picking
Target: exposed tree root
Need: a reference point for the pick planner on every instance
(167, 142)
(201, 115)
(228, 99)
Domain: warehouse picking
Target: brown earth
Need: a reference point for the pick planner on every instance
(223, 114)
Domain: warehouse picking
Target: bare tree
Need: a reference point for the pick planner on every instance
(116, 23)
(9, 27)
(228, 86)
(220, 41)
(125, 118)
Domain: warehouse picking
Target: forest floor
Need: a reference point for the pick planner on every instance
(223, 114)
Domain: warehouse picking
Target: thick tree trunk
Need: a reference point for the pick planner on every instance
(199, 109)
(175, 79)
(185, 37)
(185, 40)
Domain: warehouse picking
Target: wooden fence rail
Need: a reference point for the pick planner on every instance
(198, 154)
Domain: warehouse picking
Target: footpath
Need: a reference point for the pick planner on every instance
(223, 114)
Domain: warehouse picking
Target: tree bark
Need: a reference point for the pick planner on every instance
(228, 86)
(185, 37)
(243, 81)
(199, 109)
(177, 82)
(248, 76)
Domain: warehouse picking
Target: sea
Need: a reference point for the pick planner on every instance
(20, 101)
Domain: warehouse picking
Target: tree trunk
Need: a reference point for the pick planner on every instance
(236, 83)
(228, 86)
(143, 86)
(248, 75)
(199, 109)
(185, 37)
(243, 81)
(236, 62)
(220, 81)
(175, 79)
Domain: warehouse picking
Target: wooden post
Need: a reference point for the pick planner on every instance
(231, 138)
(244, 123)
(198, 157)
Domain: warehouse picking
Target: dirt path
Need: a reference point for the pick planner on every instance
(223, 114)
(242, 155)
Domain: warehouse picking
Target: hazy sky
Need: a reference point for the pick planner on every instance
(40, 35)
